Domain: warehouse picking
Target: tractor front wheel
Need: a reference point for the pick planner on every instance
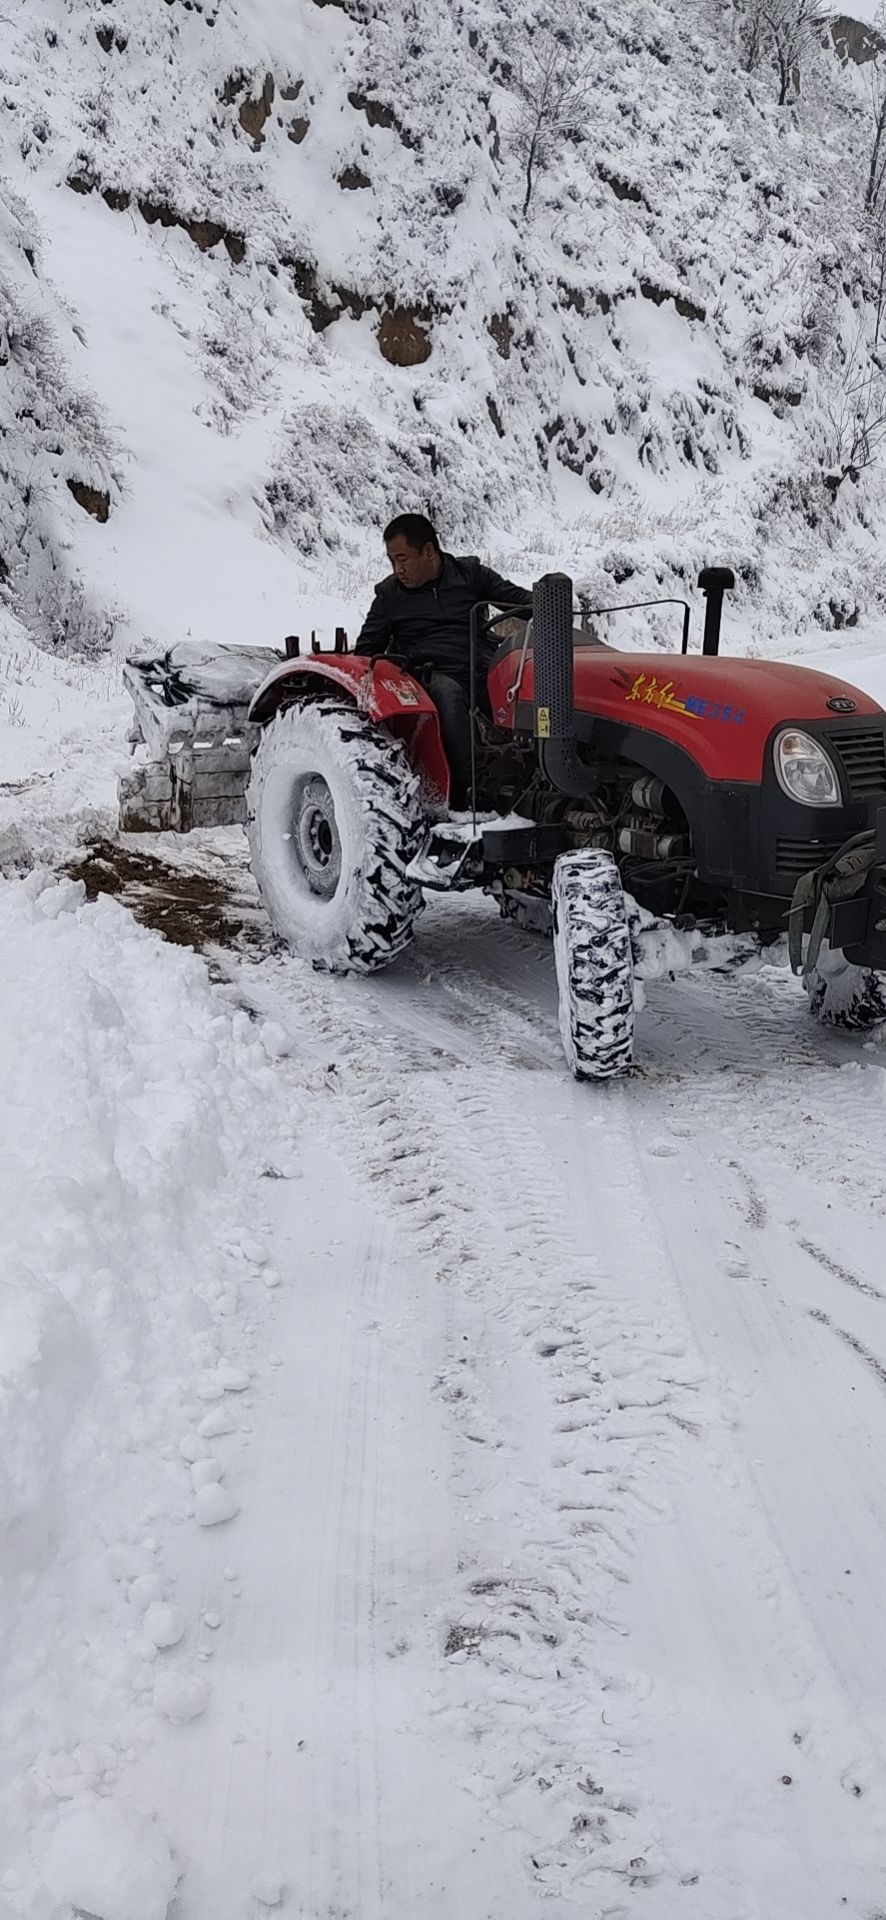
(334, 817)
(843, 995)
(595, 974)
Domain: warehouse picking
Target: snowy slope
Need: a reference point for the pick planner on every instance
(239, 207)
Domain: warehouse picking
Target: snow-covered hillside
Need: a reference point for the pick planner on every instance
(268, 278)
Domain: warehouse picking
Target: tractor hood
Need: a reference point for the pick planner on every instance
(722, 711)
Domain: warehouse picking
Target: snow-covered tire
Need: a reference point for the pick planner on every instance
(595, 973)
(843, 995)
(334, 817)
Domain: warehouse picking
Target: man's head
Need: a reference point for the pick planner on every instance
(413, 549)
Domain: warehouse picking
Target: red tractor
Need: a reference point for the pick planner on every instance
(616, 797)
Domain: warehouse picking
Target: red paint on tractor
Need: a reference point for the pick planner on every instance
(380, 690)
(720, 710)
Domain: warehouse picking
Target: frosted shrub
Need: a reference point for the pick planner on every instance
(51, 431)
(62, 614)
(335, 474)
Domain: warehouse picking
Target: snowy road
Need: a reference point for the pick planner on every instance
(556, 1585)
(562, 1566)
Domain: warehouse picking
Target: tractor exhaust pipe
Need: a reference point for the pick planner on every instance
(714, 583)
(552, 654)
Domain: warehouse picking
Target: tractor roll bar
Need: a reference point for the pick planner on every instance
(631, 606)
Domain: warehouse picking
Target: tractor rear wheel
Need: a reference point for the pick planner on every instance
(843, 995)
(595, 973)
(334, 817)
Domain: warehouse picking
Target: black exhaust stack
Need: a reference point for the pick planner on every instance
(714, 582)
(552, 654)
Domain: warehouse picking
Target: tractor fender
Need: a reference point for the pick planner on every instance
(381, 691)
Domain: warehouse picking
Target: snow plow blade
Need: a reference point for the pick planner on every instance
(190, 737)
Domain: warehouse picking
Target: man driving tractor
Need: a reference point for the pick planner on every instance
(421, 615)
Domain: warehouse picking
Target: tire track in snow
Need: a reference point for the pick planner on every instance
(621, 1449)
(851, 1340)
(806, 1442)
(566, 1596)
(604, 1396)
(839, 1271)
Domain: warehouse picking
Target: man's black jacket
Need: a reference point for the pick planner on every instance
(431, 625)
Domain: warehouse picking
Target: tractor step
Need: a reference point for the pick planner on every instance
(456, 852)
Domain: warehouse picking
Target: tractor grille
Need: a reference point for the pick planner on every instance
(863, 753)
(793, 857)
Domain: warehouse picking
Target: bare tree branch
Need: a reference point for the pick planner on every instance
(554, 95)
(877, 125)
(857, 417)
(783, 31)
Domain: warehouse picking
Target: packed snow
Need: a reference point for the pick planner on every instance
(137, 1112)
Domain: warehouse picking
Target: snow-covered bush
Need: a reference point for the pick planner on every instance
(54, 439)
(664, 332)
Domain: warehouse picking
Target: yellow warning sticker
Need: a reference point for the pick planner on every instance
(543, 723)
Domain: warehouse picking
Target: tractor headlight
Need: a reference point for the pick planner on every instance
(805, 772)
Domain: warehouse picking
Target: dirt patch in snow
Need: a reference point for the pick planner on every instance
(189, 907)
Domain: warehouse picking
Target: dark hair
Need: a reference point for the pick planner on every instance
(415, 528)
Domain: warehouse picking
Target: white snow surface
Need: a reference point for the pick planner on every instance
(427, 1488)
(110, 1861)
(135, 1109)
(560, 1566)
(546, 1545)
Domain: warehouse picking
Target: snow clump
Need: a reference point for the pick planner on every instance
(112, 1862)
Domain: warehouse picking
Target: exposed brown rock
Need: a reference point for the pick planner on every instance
(449, 196)
(380, 115)
(91, 499)
(156, 212)
(402, 339)
(83, 180)
(502, 331)
(116, 198)
(232, 89)
(777, 397)
(574, 298)
(351, 178)
(688, 308)
(622, 188)
(205, 234)
(326, 305)
(298, 129)
(254, 113)
(856, 42)
(495, 416)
